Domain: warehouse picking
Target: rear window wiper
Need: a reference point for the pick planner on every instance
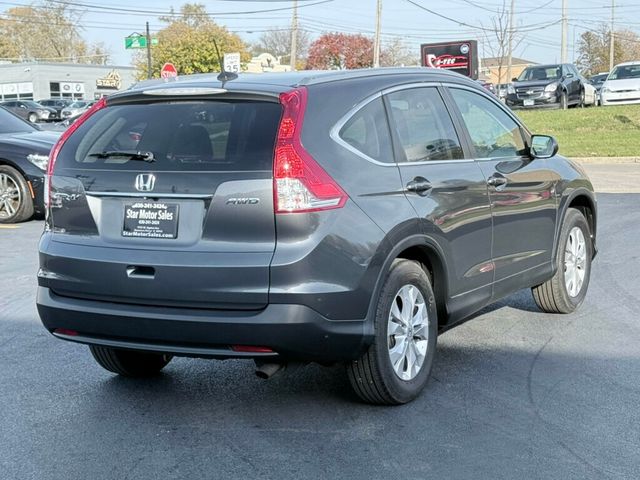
(131, 154)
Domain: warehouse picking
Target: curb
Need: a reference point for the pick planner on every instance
(606, 160)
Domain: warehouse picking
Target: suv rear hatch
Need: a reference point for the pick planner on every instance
(165, 201)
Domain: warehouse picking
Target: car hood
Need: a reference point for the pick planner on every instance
(533, 83)
(623, 84)
(36, 141)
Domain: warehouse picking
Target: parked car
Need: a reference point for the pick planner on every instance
(590, 97)
(56, 104)
(488, 85)
(622, 85)
(598, 80)
(558, 86)
(501, 90)
(75, 109)
(309, 216)
(24, 153)
(29, 110)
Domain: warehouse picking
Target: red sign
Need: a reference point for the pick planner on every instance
(168, 71)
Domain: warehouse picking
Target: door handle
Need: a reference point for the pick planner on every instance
(419, 185)
(497, 180)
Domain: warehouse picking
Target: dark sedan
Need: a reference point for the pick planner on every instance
(56, 104)
(24, 155)
(558, 85)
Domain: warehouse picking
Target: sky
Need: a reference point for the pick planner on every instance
(537, 21)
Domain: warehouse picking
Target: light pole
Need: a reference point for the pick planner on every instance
(294, 36)
(376, 38)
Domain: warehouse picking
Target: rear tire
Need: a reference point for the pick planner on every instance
(406, 326)
(129, 363)
(566, 290)
(16, 204)
(33, 118)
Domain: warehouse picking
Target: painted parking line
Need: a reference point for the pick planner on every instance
(9, 227)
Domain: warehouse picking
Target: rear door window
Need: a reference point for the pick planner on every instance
(423, 126)
(179, 136)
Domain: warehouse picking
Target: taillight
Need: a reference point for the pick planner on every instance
(300, 183)
(53, 156)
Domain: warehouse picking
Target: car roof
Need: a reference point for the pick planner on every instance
(277, 82)
(626, 64)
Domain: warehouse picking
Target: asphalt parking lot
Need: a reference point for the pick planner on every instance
(515, 393)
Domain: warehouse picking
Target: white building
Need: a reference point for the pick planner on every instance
(38, 81)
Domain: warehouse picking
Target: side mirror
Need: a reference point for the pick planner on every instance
(569, 75)
(514, 79)
(543, 146)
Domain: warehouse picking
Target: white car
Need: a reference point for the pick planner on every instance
(622, 85)
(590, 95)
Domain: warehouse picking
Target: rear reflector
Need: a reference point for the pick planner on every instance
(300, 183)
(64, 331)
(250, 349)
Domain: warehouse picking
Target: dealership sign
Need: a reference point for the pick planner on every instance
(111, 80)
(461, 57)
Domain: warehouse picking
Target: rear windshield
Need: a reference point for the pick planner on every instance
(180, 136)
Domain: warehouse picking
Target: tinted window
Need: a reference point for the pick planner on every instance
(192, 136)
(548, 72)
(9, 123)
(368, 132)
(423, 126)
(493, 133)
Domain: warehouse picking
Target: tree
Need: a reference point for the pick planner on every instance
(594, 49)
(339, 51)
(396, 53)
(49, 31)
(497, 37)
(188, 42)
(278, 43)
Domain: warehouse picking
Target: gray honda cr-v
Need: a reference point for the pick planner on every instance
(312, 216)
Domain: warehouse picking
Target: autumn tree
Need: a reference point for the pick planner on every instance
(188, 42)
(339, 51)
(47, 31)
(594, 49)
(278, 43)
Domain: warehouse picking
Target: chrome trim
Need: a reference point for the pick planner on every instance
(335, 130)
(151, 195)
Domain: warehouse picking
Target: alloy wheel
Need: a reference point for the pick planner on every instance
(408, 332)
(10, 196)
(575, 261)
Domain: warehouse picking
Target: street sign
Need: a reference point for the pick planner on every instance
(232, 62)
(168, 71)
(137, 41)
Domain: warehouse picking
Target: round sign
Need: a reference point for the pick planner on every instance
(464, 49)
(168, 71)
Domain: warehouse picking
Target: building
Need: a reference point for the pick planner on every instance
(494, 69)
(38, 81)
(265, 62)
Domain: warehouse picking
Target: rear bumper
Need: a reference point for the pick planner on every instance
(293, 332)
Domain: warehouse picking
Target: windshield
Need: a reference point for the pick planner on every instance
(624, 72)
(78, 105)
(550, 72)
(9, 123)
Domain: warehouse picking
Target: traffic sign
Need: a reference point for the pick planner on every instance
(136, 41)
(232, 62)
(168, 71)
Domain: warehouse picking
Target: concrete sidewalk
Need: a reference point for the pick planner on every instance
(614, 177)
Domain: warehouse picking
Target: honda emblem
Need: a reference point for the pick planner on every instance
(145, 182)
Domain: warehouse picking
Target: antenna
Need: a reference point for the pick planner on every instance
(224, 76)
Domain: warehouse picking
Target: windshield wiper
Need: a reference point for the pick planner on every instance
(131, 154)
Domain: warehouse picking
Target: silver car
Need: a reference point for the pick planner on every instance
(75, 108)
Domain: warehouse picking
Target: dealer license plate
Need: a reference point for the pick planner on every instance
(150, 220)
(529, 103)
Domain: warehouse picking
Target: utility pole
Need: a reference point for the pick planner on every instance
(294, 36)
(611, 35)
(148, 52)
(510, 51)
(376, 38)
(565, 26)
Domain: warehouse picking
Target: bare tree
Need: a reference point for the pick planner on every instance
(278, 43)
(496, 40)
(396, 53)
